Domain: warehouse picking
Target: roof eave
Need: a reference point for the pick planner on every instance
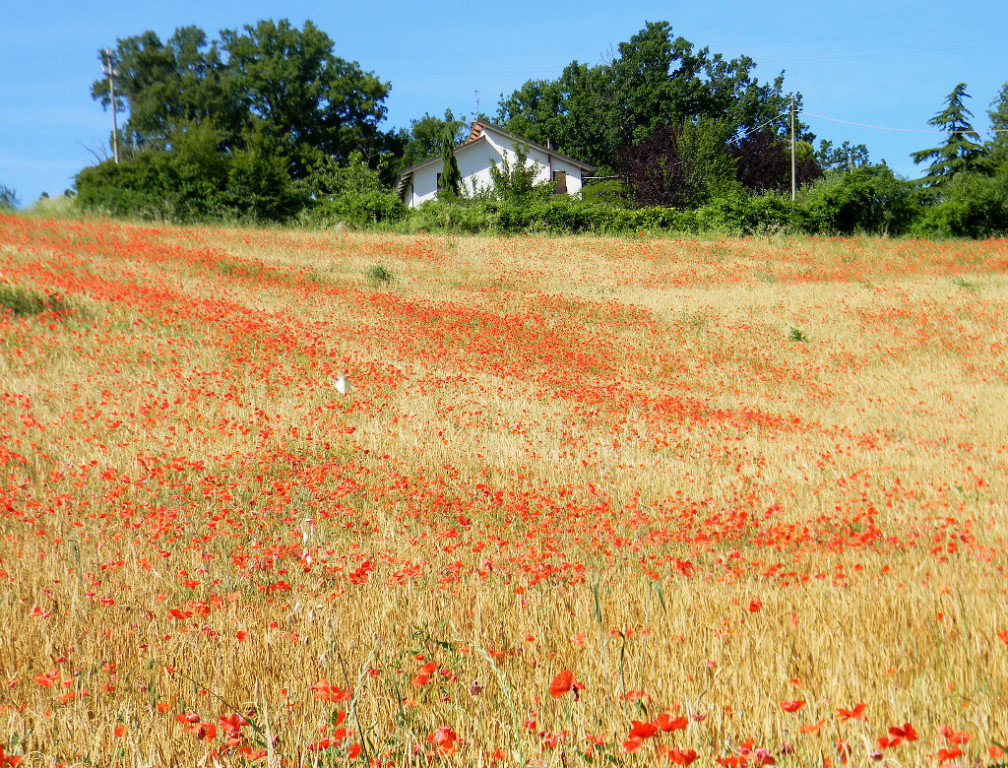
(548, 150)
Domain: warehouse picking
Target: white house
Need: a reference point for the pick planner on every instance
(488, 144)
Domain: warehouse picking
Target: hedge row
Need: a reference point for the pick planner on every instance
(248, 187)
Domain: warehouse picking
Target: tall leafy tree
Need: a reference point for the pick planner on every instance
(681, 166)
(573, 112)
(654, 82)
(269, 81)
(424, 137)
(290, 85)
(846, 156)
(164, 87)
(961, 149)
(763, 162)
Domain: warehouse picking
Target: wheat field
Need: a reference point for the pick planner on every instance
(585, 501)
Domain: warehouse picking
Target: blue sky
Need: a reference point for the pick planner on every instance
(885, 63)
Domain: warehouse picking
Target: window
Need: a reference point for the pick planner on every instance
(560, 179)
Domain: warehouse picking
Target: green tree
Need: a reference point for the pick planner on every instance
(270, 78)
(997, 148)
(683, 166)
(516, 181)
(450, 180)
(8, 198)
(961, 149)
(573, 112)
(258, 186)
(353, 194)
(847, 156)
(424, 137)
(165, 86)
(655, 81)
(868, 199)
(290, 85)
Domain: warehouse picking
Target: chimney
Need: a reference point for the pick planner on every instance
(549, 144)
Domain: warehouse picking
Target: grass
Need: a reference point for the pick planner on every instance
(379, 275)
(797, 334)
(25, 302)
(594, 456)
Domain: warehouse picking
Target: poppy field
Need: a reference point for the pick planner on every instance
(584, 501)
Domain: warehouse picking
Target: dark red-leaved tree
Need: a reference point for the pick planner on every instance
(655, 170)
(763, 163)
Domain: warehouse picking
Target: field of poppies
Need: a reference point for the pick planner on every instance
(585, 502)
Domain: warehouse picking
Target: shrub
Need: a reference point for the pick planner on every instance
(742, 214)
(971, 205)
(379, 275)
(258, 186)
(359, 210)
(868, 199)
(515, 182)
(196, 181)
(353, 195)
(23, 302)
(63, 206)
(141, 187)
(613, 192)
(461, 215)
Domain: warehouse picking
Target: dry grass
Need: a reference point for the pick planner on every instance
(612, 457)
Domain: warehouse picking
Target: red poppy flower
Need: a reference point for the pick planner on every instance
(667, 722)
(851, 714)
(681, 757)
(639, 730)
(812, 727)
(953, 737)
(561, 684)
(905, 731)
(631, 745)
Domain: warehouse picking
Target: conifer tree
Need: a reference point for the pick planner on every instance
(997, 147)
(450, 179)
(962, 148)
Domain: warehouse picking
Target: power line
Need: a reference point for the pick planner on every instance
(764, 125)
(902, 130)
(870, 53)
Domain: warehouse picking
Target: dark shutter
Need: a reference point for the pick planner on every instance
(560, 177)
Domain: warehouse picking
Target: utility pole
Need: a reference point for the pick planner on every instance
(792, 152)
(108, 67)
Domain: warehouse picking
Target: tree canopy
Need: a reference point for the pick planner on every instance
(655, 82)
(422, 140)
(270, 80)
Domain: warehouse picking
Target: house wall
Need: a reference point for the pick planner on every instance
(474, 161)
(547, 162)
